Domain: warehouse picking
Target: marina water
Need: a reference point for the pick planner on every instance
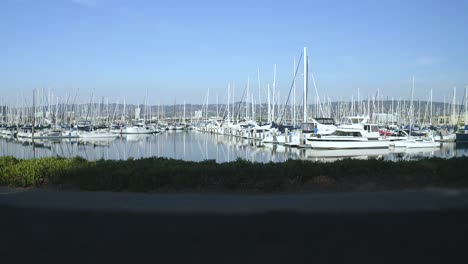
(198, 146)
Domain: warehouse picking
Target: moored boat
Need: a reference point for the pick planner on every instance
(359, 136)
(462, 136)
(416, 143)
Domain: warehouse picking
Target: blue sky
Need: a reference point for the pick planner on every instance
(176, 50)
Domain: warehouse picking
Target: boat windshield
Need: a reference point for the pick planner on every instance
(325, 121)
(352, 120)
(307, 127)
(371, 128)
(347, 133)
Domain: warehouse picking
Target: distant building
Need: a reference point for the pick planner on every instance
(448, 120)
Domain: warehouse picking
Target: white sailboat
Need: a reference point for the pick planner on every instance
(412, 142)
(416, 143)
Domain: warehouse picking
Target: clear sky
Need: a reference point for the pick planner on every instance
(176, 50)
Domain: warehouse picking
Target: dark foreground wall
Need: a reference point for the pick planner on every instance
(85, 236)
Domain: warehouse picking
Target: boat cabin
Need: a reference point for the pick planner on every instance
(369, 131)
(84, 125)
(308, 127)
(325, 120)
(371, 128)
(354, 120)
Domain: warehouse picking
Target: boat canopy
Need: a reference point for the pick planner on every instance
(354, 120)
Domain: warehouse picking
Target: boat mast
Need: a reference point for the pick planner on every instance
(445, 118)
(247, 99)
(358, 102)
(259, 96)
(393, 113)
(411, 108)
(228, 102)
(466, 101)
(453, 105)
(252, 106)
(233, 99)
(124, 110)
(430, 115)
(269, 107)
(34, 114)
(294, 94)
(191, 114)
(207, 96)
(304, 103)
(273, 96)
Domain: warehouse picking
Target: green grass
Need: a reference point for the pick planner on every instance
(167, 175)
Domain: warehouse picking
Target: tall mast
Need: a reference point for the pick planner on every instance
(252, 107)
(269, 107)
(207, 96)
(294, 94)
(228, 103)
(124, 110)
(453, 105)
(358, 102)
(34, 114)
(445, 118)
(191, 114)
(247, 99)
(233, 99)
(411, 108)
(466, 101)
(304, 106)
(273, 97)
(430, 115)
(392, 112)
(259, 97)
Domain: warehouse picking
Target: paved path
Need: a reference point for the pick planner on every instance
(429, 200)
(40, 226)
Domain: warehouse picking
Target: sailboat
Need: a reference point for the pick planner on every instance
(97, 134)
(412, 142)
(416, 143)
(462, 135)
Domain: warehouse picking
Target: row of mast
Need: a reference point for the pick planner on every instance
(70, 110)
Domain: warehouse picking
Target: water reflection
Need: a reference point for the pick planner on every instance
(197, 146)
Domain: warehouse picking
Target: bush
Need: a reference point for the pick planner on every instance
(162, 174)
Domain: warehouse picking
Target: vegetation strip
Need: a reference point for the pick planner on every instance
(167, 175)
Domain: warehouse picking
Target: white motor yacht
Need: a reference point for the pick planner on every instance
(139, 128)
(350, 136)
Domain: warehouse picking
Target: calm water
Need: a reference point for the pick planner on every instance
(197, 146)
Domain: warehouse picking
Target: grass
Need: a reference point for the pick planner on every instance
(167, 175)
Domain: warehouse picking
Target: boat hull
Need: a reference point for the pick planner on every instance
(138, 130)
(415, 144)
(462, 137)
(348, 144)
